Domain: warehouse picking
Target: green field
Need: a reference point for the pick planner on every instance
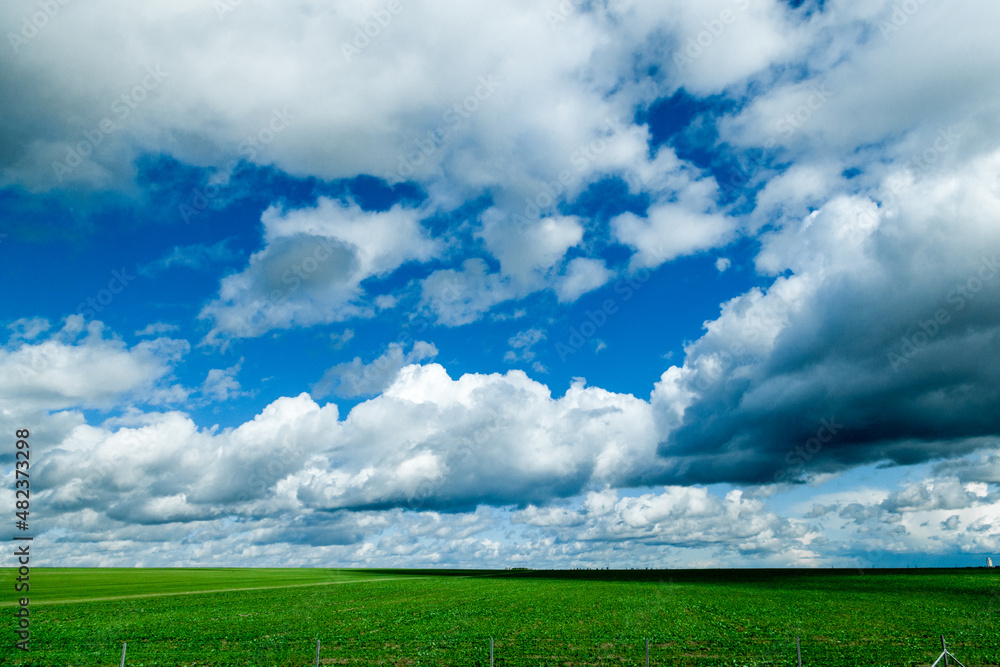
(396, 617)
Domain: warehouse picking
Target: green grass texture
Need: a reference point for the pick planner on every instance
(81, 617)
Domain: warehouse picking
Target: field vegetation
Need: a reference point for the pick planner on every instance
(569, 618)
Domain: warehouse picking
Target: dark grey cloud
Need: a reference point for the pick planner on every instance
(884, 350)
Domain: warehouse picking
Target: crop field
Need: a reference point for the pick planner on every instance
(567, 618)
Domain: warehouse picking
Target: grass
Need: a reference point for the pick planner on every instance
(400, 617)
(62, 585)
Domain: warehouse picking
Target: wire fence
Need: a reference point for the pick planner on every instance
(518, 651)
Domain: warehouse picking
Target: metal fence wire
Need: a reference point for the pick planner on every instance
(514, 651)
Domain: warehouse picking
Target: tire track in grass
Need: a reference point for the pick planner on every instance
(220, 590)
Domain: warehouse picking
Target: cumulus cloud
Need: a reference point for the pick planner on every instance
(937, 515)
(426, 442)
(982, 468)
(27, 329)
(339, 126)
(221, 384)
(312, 265)
(881, 322)
(582, 275)
(528, 252)
(532, 257)
(934, 494)
(356, 378)
(871, 338)
(670, 231)
(723, 42)
(493, 439)
(893, 66)
(876, 98)
(461, 296)
(197, 474)
(688, 517)
(80, 366)
(683, 219)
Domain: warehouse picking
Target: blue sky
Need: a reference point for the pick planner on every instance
(672, 284)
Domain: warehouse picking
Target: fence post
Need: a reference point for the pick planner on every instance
(123, 654)
(317, 653)
(798, 651)
(647, 651)
(944, 651)
(491, 651)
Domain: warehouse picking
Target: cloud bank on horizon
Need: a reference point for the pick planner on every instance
(564, 284)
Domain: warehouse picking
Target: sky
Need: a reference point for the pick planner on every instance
(552, 284)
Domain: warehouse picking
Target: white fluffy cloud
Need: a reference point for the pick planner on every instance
(492, 439)
(683, 219)
(874, 203)
(688, 517)
(527, 253)
(938, 515)
(312, 265)
(460, 296)
(80, 366)
(427, 441)
(356, 378)
(299, 474)
(670, 231)
(582, 275)
(221, 384)
(876, 97)
(449, 113)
